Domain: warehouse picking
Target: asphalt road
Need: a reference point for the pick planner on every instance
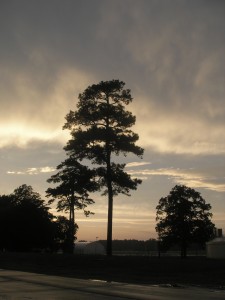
(23, 285)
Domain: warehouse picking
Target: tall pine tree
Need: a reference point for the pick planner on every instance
(100, 131)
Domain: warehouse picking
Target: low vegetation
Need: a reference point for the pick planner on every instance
(130, 269)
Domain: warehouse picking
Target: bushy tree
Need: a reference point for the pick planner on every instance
(25, 221)
(100, 130)
(183, 217)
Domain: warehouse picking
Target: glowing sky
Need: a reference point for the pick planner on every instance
(169, 53)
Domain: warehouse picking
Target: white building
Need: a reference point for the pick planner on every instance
(216, 247)
(89, 248)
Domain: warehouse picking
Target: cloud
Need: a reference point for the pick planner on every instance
(169, 57)
(180, 134)
(40, 114)
(190, 177)
(179, 103)
(15, 172)
(33, 171)
(137, 164)
(21, 134)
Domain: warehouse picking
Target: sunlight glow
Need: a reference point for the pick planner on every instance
(21, 134)
(137, 164)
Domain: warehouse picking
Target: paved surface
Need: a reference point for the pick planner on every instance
(23, 285)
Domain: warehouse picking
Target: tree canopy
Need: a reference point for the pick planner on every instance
(27, 225)
(183, 217)
(62, 231)
(74, 182)
(25, 221)
(101, 130)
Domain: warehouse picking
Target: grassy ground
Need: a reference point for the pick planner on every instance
(131, 269)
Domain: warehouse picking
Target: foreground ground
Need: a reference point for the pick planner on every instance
(195, 271)
(23, 285)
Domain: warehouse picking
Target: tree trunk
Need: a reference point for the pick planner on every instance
(110, 212)
(109, 185)
(109, 229)
(110, 204)
(72, 229)
(184, 249)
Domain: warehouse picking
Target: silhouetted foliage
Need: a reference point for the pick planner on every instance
(25, 221)
(74, 182)
(27, 225)
(62, 231)
(183, 218)
(100, 128)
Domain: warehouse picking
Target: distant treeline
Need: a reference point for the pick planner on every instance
(133, 245)
(149, 247)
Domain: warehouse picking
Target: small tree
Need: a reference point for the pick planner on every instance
(183, 217)
(62, 233)
(100, 130)
(75, 181)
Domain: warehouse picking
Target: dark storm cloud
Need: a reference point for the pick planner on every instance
(168, 53)
(61, 32)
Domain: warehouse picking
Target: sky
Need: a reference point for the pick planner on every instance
(170, 54)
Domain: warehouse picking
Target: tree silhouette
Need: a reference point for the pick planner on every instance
(25, 221)
(7, 222)
(100, 130)
(62, 227)
(74, 182)
(183, 217)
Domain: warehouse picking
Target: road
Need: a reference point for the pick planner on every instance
(29, 286)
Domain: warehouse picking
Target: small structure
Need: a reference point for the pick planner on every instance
(216, 247)
(89, 248)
